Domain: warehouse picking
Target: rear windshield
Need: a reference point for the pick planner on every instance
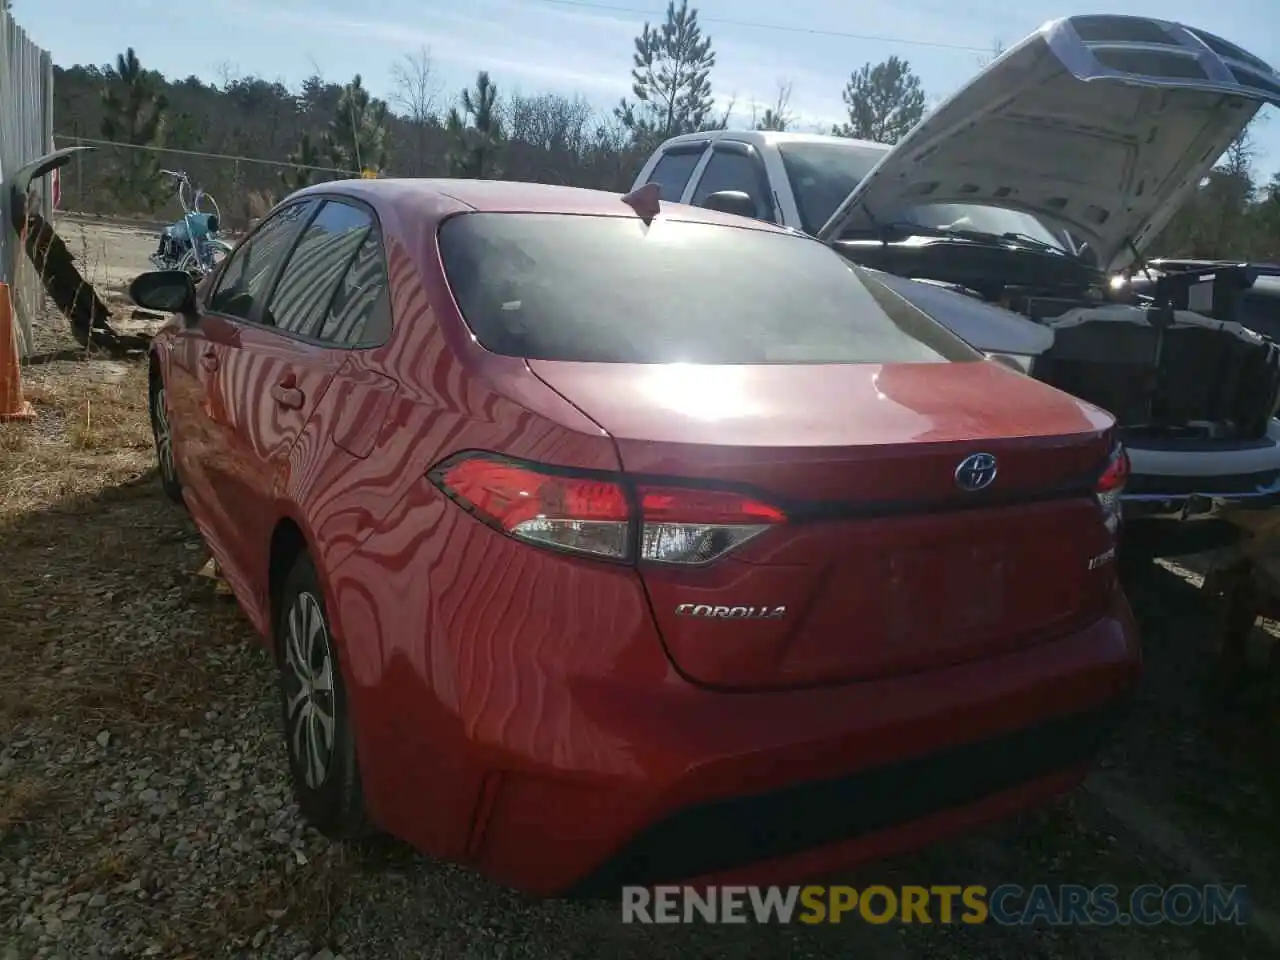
(611, 290)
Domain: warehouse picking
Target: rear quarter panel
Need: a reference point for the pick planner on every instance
(392, 548)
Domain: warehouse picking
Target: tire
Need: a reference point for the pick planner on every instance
(162, 432)
(323, 766)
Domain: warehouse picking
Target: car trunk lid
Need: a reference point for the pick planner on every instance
(886, 563)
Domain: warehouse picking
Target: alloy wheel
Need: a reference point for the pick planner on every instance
(309, 690)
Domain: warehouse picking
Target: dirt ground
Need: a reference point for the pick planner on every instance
(112, 252)
(144, 806)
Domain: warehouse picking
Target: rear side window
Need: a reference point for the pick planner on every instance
(315, 266)
(609, 289)
(360, 314)
(673, 171)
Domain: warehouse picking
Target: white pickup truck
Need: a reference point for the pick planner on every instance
(1016, 202)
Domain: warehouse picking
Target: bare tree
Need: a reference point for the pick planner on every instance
(416, 94)
(549, 121)
(416, 86)
(1237, 159)
(721, 121)
(614, 155)
(553, 133)
(779, 116)
(228, 74)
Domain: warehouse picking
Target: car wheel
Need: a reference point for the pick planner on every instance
(319, 738)
(163, 434)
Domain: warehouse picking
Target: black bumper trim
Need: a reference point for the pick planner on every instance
(731, 833)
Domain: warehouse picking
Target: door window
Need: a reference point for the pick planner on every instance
(734, 170)
(245, 279)
(673, 171)
(315, 267)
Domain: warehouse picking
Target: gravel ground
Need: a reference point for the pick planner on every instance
(145, 811)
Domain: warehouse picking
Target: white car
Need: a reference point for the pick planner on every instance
(1015, 201)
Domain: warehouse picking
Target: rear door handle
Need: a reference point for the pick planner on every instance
(209, 361)
(287, 395)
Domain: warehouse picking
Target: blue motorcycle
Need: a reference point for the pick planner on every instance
(192, 243)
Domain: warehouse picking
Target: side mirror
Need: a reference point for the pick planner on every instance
(164, 291)
(732, 201)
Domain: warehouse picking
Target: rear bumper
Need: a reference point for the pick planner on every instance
(767, 788)
(722, 838)
(1184, 482)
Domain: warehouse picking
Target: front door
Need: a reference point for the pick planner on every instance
(274, 371)
(238, 293)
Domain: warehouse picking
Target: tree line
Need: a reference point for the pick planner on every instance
(326, 130)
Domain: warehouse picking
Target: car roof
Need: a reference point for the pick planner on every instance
(775, 138)
(432, 200)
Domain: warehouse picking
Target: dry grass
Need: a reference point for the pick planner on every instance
(91, 434)
(93, 551)
(84, 527)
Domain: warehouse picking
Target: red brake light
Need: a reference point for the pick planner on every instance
(689, 505)
(574, 513)
(1116, 475)
(592, 514)
(1110, 485)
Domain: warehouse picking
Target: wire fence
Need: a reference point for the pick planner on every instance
(121, 180)
(26, 134)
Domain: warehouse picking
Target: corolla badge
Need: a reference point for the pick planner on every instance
(976, 472)
(730, 613)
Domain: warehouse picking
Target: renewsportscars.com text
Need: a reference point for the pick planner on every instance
(1007, 905)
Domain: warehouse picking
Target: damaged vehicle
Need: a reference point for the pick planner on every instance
(1235, 290)
(1007, 210)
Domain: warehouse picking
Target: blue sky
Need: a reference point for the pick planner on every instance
(584, 46)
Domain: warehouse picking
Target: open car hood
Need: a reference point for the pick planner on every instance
(1100, 125)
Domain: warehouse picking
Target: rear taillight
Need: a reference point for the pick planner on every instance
(1111, 485)
(602, 514)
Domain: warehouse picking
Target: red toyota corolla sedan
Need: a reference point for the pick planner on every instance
(599, 543)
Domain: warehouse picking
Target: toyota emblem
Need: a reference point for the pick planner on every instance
(976, 472)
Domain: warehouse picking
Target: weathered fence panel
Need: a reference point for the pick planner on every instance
(26, 132)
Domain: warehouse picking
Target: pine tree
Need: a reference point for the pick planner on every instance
(306, 156)
(885, 100)
(476, 131)
(357, 134)
(670, 78)
(134, 114)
